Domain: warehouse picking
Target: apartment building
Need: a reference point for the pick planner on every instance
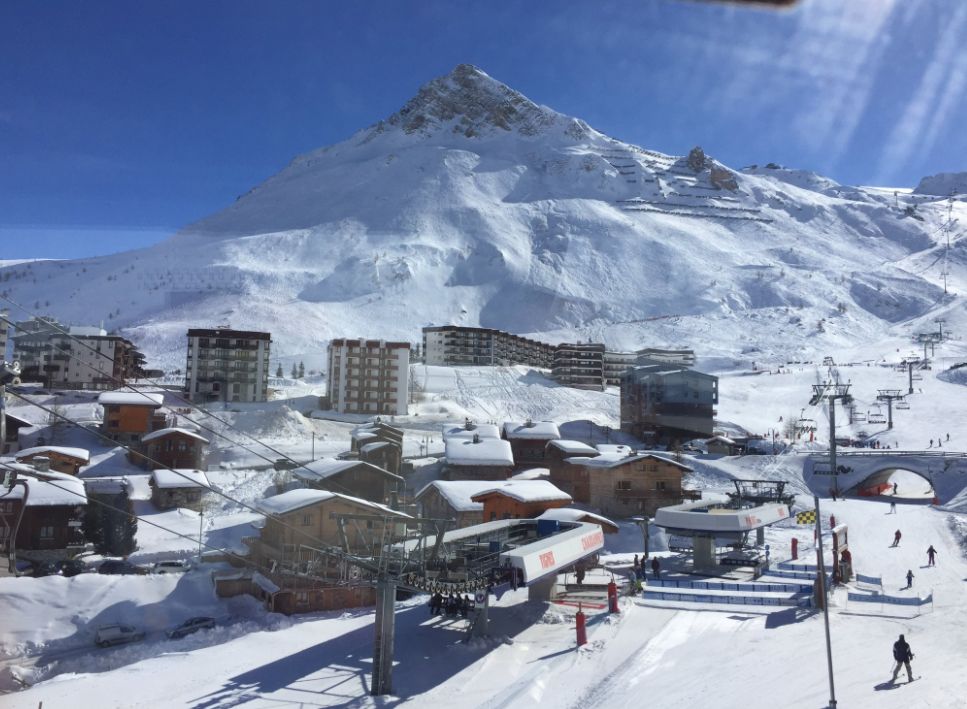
(227, 365)
(454, 346)
(73, 356)
(579, 365)
(369, 376)
(665, 403)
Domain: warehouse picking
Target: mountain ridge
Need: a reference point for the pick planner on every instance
(472, 204)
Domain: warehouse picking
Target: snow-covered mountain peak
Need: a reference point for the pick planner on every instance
(469, 102)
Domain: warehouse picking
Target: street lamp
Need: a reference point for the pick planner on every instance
(642, 523)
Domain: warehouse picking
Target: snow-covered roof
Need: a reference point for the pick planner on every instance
(48, 489)
(611, 460)
(458, 493)
(106, 486)
(532, 474)
(574, 447)
(531, 431)
(614, 448)
(161, 433)
(327, 467)
(304, 497)
(526, 491)
(79, 453)
(364, 435)
(179, 477)
(376, 445)
(720, 439)
(485, 451)
(130, 398)
(483, 430)
(264, 583)
(573, 514)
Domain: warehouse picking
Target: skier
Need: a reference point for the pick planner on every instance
(892, 507)
(896, 539)
(894, 489)
(909, 578)
(656, 567)
(902, 654)
(948, 436)
(931, 552)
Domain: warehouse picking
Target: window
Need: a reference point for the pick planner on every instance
(306, 520)
(623, 486)
(660, 485)
(46, 532)
(302, 598)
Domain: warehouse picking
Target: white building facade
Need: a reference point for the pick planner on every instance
(369, 376)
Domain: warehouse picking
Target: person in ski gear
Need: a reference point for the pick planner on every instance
(892, 507)
(896, 539)
(902, 654)
(656, 567)
(894, 488)
(931, 552)
(909, 578)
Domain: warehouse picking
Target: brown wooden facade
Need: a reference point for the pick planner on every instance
(634, 485)
(498, 505)
(172, 450)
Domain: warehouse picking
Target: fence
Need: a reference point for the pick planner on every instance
(804, 602)
(725, 586)
(891, 600)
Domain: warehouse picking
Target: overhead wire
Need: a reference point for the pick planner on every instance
(122, 383)
(199, 541)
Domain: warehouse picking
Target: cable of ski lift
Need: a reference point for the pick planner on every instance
(123, 384)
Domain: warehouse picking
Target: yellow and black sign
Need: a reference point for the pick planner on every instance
(806, 517)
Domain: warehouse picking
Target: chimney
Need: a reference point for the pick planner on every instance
(41, 464)
(468, 424)
(529, 424)
(476, 438)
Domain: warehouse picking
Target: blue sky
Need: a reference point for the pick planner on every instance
(120, 121)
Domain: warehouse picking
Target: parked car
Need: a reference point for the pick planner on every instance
(117, 635)
(171, 567)
(44, 568)
(192, 625)
(72, 567)
(119, 566)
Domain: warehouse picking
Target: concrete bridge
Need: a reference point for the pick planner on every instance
(867, 472)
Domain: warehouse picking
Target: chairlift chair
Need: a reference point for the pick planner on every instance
(902, 405)
(875, 418)
(859, 417)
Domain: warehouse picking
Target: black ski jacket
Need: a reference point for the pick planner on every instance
(902, 651)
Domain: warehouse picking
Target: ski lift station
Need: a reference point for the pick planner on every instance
(711, 522)
(501, 555)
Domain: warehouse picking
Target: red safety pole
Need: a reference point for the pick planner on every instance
(795, 548)
(581, 627)
(613, 597)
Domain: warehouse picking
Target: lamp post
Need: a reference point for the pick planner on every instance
(642, 523)
(823, 591)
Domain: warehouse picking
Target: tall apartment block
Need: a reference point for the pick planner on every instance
(454, 345)
(666, 402)
(74, 357)
(369, 376)
(227, 365)
(579, 365)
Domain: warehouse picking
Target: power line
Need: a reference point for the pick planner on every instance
(123, 384)
(208, 487)
(195, 541)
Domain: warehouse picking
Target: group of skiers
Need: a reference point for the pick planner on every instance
(641, 571)
(451, 605)
(931, 557)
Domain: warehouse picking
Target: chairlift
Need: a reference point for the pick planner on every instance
(859, 417)
(875, 417)
(917, 377)
(902, 405)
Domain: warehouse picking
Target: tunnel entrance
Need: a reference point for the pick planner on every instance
(898, 484)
